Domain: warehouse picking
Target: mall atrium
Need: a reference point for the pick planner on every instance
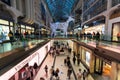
(59, 39)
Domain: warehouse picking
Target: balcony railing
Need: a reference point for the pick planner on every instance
(9, 46)
(115, 2)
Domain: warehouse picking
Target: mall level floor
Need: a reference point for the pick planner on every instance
(59, 63)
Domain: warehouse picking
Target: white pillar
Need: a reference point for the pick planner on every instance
(107, 17)
(13, 3)
(20, 5)
(15, 23)
(113, 71)
(109, 4)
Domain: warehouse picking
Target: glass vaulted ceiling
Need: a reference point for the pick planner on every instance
(60, 9)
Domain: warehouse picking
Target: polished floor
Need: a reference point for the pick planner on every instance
(59, 63)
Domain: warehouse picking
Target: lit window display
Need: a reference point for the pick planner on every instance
(22, 29)
(4, 22)
(106, 69)
(23, 26)
(4, 30)
(28, 29)
(116, 30)
(98, 28)
(32, 29)
(88, 58)
(11, 23)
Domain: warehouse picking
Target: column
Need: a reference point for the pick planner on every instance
(109, 4)
(20, 5)
(107, 17)
(113, 71)
(13, 3)
(107, 31)
(15, 24)
(118, 71)
(82, 14)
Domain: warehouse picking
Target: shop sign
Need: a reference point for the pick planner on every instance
(23, 63)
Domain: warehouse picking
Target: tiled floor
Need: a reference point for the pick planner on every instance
(59, 63)
(41, 73)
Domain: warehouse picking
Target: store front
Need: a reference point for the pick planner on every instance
(29, 29)
(23, 29)
(5, 27)
(86, 56)
(98, 65)
(118, 71)
(102, 67)
(97, 28)
(116, 32)
(106, 68)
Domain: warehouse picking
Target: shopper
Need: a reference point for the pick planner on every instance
(74, 60)
(11, 36)
(52, 72)
(56, 73)
(77, 36)
(69, 72)
(84, 74)
(65, 61)
(35, 67)
(79, 74)
(17, 35)
(46, 69)
(78, 61)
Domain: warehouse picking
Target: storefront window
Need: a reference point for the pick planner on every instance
(106, 68)
(83, 54)
(4, 22)
(11, 23)
(88, 58)
(116, 30)
(22, 31)
(98, 28)
(11, 28)
(28, 29)
(23, 26)
(4, 30)
(98, 65)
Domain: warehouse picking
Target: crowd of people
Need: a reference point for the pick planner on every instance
(54, 73)
(94, 36)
